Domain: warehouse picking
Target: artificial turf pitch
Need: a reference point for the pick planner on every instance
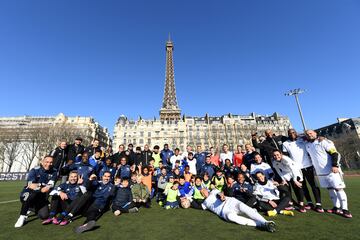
(158, 223)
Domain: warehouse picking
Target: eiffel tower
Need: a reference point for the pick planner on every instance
(170, 110)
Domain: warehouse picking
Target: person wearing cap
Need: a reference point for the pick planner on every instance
(75, 150)
(130, 154)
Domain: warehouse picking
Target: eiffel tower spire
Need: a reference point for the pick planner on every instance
(170, 110)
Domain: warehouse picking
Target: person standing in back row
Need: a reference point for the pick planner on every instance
(295, 148)
(326, 161)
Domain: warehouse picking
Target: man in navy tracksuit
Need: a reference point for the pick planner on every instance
(83, 168)
(200, 158)
(124, 170)
(208, 167)
(123, 200)
(40, 182)
(102, 191)
(166, 154)
(66, 200)
(107, 167)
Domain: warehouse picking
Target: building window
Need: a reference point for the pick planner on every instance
(141, 141)
(149, 134)
(141, 134)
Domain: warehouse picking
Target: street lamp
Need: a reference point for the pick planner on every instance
(296, 92)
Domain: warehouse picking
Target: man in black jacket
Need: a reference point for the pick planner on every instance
(130, 154)
(271, 143)
(59, 155)
(94, 146)
(76, 149)
(120, 154)
(146, 155)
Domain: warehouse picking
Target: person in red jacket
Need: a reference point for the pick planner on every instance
(238, 156)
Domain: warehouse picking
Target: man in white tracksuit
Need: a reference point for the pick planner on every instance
(326, 161)
(229, 209)
(290, 174)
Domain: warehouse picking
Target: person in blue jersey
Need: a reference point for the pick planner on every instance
(123, 170)
(165, 155)
(66, 201)
(200, 157)
(40, 182)
(83, 168)
(107, 167)
(208, 168)
(185, 188)
(96, 160)
(102, 192)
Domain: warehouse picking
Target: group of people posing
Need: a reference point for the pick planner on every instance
(236, 186)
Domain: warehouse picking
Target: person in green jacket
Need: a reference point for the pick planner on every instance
(140, 192)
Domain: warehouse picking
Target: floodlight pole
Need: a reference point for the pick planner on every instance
(295, 93)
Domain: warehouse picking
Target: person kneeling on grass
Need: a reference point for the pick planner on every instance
(123, 200)
(229, 208)
(140, 193)
(40, 181)
(66, 200)
(272, 199)
(101, 191)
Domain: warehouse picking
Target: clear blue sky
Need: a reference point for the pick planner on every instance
(106, 58)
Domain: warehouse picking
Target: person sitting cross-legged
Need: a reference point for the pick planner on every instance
(123, 200)
(272, 199)
(66, 200)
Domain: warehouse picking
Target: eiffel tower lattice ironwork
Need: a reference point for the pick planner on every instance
(170, 110)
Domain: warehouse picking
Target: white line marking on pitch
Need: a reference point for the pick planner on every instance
(10, 201)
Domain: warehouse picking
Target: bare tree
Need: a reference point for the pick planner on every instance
(31, 149)
(12, 149)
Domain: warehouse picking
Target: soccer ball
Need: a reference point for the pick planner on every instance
(185, 203)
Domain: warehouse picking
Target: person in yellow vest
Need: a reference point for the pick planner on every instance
(156, 156)
(197, 198)
(172, 197)
(218, 181)
(206, 182)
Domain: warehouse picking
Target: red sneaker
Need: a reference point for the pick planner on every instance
(319, 209)
(346, 214)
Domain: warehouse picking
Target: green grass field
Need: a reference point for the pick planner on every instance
(157, 223)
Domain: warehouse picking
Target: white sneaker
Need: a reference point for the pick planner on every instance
(20, 222)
